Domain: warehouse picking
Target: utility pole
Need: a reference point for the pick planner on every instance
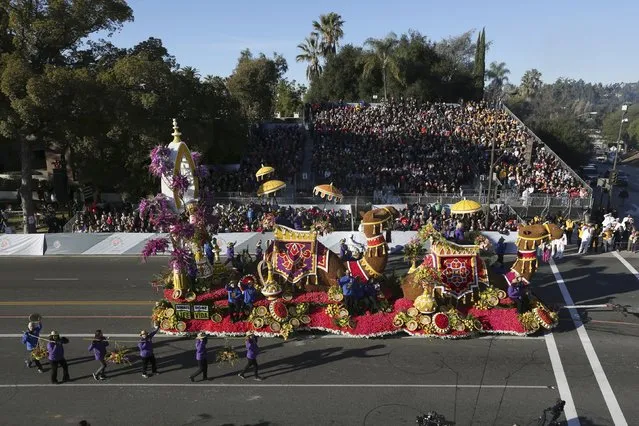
(490, 182)
(612, 177)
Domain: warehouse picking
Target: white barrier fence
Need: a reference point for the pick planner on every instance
(132, 243)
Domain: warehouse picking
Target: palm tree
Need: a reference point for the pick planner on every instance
(330, 30)
(498, 74)
(381, 55)
(311, 53)
(531, 83)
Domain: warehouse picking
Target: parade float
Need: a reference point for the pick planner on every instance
(452, 293)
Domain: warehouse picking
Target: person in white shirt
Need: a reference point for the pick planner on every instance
(586, 236)
(560, 245)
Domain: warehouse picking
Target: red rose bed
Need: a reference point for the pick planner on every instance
(502, 319)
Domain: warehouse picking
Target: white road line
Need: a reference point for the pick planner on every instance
(275, 385)
(585, 306)
(562, 383)
(627, 264)
(55, 279)
(606, 390)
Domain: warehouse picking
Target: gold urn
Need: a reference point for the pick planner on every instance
(425, 303)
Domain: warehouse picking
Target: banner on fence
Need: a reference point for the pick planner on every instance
(22, 245)
(118, 243)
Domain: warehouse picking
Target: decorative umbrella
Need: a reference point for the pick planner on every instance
(328, 191)
(263, 172)
(465, 207)
(270, 187)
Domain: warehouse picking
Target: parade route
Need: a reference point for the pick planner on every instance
(310, 378)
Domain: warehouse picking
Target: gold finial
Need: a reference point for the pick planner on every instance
(176, 132)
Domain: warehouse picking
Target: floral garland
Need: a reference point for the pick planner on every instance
(413, 249)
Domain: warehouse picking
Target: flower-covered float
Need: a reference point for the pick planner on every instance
(449, 295)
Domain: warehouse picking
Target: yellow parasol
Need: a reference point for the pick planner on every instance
(263, 172)
(328, 191)
(270, 187)
(465, 207)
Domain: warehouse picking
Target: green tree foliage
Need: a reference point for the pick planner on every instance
(254, 82)
(479, 65)
(566, 137)
(330, 30)
(530, 83)
(311, 53)
(38, 37)
(288, 98)
(382, 56)
(422, 73)
(629, 130)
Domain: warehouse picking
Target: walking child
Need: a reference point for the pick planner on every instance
(30, 340)
(56, 357)
(200, 356)
(251, 355)
(98, 347)
(146, 352)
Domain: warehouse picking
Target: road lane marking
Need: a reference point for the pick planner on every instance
(275, 385)
(55, 279)
(613, 322)
(627, 264)
(562, 383)
(77, 303)
(606, 390)
(585, 306)
(81, 316)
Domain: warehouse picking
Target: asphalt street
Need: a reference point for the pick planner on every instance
(313, 379)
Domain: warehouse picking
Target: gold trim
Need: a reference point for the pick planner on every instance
(283, 233)
(368, 268)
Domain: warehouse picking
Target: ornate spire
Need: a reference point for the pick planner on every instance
(176, 132)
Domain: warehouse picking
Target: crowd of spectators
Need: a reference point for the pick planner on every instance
(111, 219)
(429, 148)
(276, 145)
(414, 216)
(233, 217)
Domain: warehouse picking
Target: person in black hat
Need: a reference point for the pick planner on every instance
(200, 356)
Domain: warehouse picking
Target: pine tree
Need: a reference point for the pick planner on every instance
(480, 63)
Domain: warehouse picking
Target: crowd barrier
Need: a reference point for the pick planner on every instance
(113, 244)
(22, 245)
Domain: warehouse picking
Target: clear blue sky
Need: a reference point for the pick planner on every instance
(588, 39)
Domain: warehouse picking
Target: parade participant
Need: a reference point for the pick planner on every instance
(585, 236)
(250, 294)
(252, 349)
(98, 347)
(146, 352)
(358, 248)
(208, 252)
(201, 357)
(608, 238)
(347, 282)
(234, 298)
(56, 356)
(259, 253)
(459, 232)
(546, 252)
(230, 252)
(569, 227)
(517, 293)
(216, 249)
(370, 296)
(560, 246)
(500, 250)
(344, 252)
(30, 340)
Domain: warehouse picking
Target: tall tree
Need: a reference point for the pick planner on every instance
(288, 97)
(330, 30)
(253, 83)
(479, 66)
(382, 56)
(530, 83)
(497, 74)
(44, 35)
(312, 54)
